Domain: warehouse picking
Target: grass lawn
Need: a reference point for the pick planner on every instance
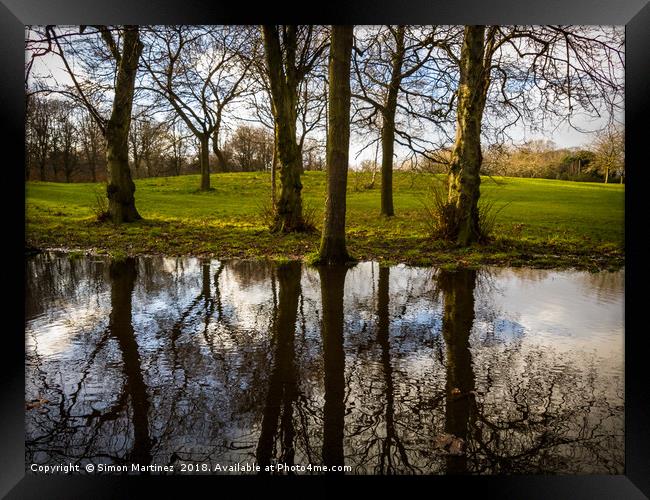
(541, 223)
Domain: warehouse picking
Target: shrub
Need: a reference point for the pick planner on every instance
(100, 207)
(443, 219)
(268, 215)
(361, 180)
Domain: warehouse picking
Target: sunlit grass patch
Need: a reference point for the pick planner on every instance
(542, 223)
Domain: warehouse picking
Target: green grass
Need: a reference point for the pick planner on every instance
(542, 223)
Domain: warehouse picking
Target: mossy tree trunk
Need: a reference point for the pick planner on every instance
(333, 248)
(289, 204)
(464, 179)
(284, 80)
(121, 189)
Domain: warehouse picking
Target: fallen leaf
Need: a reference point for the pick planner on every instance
(442, 440)
(456, 447)
(451, 444)
(35, 403)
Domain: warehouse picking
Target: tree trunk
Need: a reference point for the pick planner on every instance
(274, 168)
(606, 175)
(289, 208)
(387, 148)
(54, 160)
(464, 178)
(333, 248)
(67, 167)
(41, 168)
(388, 125)
(121, 189)
(222, 165)
(28, 162)
(284, 87)
(147, 164)
(205, 162)
(332, 285)
(136, 161)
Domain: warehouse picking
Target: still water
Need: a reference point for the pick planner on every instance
(396, 370)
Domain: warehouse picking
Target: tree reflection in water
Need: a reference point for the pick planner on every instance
(332, 285)
(122, 277)
(458, 296)
(127, 418)
(282, 390)
(386, 370)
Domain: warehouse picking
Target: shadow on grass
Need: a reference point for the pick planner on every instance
(237, 238)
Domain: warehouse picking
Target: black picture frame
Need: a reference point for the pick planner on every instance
(634, 14)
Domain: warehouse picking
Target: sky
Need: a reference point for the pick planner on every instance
(562, 135)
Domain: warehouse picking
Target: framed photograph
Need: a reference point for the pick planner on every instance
(387, 243)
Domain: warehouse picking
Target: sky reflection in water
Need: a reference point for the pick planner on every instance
(387, 370)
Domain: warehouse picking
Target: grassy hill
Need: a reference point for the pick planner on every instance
(543, 223)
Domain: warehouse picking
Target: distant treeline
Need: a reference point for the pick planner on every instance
(603, 161)
(542, 159)
(63, 144)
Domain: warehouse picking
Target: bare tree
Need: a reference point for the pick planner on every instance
(199, 71)
(311, 110)
(147, 136)
(52, 134)
(40, 130)
(609, 148)
(333, 248)
(66, 135)
(313, 154)
(396, 74)
(251, 148)
(512, 73)
(29, 136)
(92, 143)
(291, 53)
(177, 139)
(108, 58)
